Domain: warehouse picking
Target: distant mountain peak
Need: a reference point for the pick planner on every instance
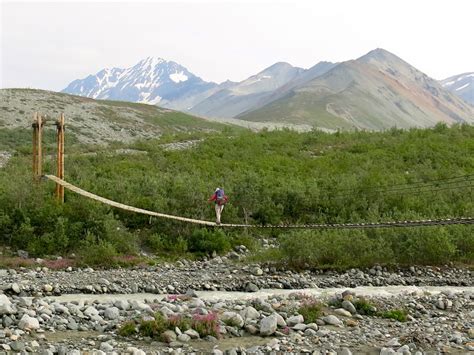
(461, 85)
(152, 80)
(380, 55)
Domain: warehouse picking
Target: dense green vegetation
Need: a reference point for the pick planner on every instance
(270, 177)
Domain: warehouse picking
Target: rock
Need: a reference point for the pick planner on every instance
(196, 302)
(268, 325)
(332, 320)
(122, 304)
(112, 313)
(387, 351)
(106, 347)
(309, 332)
(168, 336)
(22, 254)
(470, 333)
(251, 287)
(343, 312)
(348, 306)
(280, 320)
(28, 323)
(232, 319)
(393, 342)
(299, 326)
(15, 288)
(134, 351)
(292, 321)
(405, 350)
(352, 323)
(344, 351)
(5, 305)
(257, 271)
(192, 333)
(17, 346)
(47, 288)
(217, 352)
(91, 311)
(250, 313)
(191, 293)
(184, 338)
(251, 329)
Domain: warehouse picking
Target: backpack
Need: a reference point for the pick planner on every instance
(220, 197)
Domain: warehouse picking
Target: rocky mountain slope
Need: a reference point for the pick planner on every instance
(237, 98)
(376, 91)
(94, 121)
(152, 80)
(461, 85)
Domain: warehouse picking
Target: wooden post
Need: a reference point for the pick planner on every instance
(35, 144)
(60, 158)
(39, 149)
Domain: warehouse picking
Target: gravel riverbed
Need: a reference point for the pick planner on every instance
(251, 321)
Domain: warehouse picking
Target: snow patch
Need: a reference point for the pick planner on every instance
(178, 77)
(462, 87)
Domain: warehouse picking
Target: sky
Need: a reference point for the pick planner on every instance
(46, 45)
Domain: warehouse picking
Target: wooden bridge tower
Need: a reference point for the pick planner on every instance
(38, 123)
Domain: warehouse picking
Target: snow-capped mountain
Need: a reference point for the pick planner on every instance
(461, 85)
(152, 80)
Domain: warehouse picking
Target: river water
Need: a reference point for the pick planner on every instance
(366, 291)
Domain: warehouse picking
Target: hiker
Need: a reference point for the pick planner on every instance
(220, 199)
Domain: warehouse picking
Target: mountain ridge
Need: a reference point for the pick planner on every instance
(376, 91)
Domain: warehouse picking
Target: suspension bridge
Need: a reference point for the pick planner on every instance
(39, 122)
(389, 224)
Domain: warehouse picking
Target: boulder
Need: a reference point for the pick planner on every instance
(232, 319)
(192, 333)
(332, 320)
(268, 325)
(28, 323)
(168, 336)
(250, 313)
(91, 311)
(5, 305)
(184, 338)
(348, 306)
(251, 287)
(294, 320)
(112, 313)
(342, 312)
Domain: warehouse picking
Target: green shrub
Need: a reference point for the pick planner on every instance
(364, 307)
(127, 329)
(208, 241)
(166, 244)
(310, 309)
(178, 321)
(425, 246)
(94, 251)
(150, 328)
(333, 248)
(397, 314)
(206, 324)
